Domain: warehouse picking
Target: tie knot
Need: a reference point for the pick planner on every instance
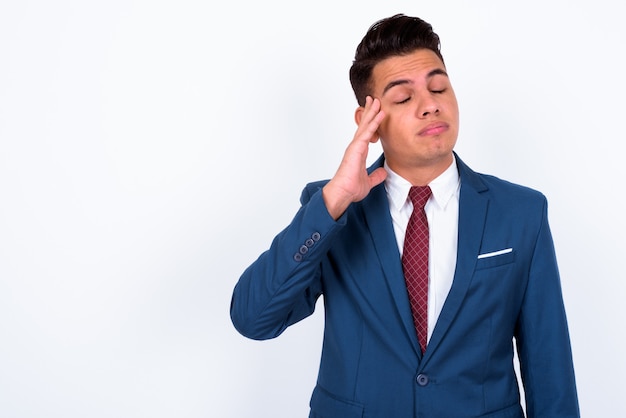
(419, 195)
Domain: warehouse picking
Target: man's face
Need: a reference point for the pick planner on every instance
(422, 116)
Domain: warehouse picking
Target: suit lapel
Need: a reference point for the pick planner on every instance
(472, 215)
(376, 214)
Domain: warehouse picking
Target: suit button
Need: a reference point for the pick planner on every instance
(304, 249)
(297, 257)
(422, 379)
(309, 243)
(316, 236)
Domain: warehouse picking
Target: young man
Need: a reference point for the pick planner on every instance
(489, 273)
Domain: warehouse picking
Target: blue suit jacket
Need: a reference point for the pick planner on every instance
(371, 365)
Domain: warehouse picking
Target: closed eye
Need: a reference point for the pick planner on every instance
(404, 101)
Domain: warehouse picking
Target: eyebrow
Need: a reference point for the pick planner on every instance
(391, 84)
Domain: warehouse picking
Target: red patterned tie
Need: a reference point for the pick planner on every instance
(415, 261)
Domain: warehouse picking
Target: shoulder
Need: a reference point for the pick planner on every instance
(310, 189)
(315, 186)
(497, 188)
(497, 185)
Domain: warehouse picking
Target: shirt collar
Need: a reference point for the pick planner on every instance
(443, 187)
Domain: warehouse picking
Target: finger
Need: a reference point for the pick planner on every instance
(377, 176)
(372, 106)
(373, 115)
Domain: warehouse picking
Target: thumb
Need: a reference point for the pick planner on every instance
(377, 176)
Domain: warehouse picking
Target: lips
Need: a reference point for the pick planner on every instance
(434, 128)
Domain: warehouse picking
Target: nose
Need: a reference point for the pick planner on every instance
(428, 107)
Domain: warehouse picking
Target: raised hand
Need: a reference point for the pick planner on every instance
(351, 182)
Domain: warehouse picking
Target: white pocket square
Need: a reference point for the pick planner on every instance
(495, 253)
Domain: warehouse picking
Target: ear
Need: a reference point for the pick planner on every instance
(358, 114)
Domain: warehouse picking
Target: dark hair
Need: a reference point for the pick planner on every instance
(392, 36)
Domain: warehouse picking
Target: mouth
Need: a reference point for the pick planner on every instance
(434, 128)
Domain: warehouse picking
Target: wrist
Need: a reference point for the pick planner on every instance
(336, 202)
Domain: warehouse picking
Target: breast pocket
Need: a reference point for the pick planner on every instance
(495, 259)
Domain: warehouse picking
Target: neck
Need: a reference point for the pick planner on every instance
(422, 174)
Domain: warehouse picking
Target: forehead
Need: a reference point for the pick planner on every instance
(416, 66)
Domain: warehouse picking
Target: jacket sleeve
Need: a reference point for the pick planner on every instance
(282, 286)
(543, 338)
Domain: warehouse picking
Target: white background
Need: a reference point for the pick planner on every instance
(150, 151)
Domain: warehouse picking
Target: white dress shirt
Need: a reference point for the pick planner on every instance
(442, 211)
